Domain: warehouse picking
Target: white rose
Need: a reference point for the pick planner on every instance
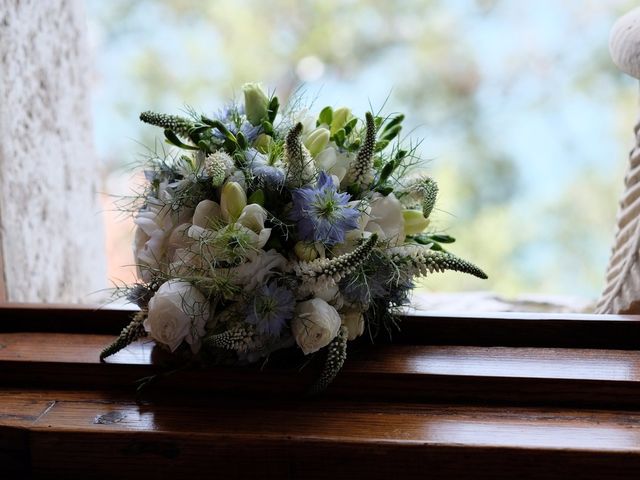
(353, 319)
(259, 267)
(316, 323)
(385, 218)
(177, 312)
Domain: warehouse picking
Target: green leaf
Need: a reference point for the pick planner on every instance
(391, 133)
(339, 137)
(267, 127)
(208, 121)
(241, 141)
(386, 172)
(256, 197)
(355, 145)
(401, 154)
(442, 238)
(350, 125)
(272, 109)
(173, 139)
(198, 129)
(395, 121)
(218, 125)
(381, 145)
(326, 116)
(384, 190)
(436, 239)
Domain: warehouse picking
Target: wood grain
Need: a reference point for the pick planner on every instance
(318, 438)
(422, 372)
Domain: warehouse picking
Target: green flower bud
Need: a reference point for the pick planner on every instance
(232, 201)
(305, 251)
(256, 103)
(340, 117)
(414, 222)
(317, 140)
(263, 143)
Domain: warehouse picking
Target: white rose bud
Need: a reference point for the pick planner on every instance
(353, 319)
(316, 323)
(177, 312)
(256, 103)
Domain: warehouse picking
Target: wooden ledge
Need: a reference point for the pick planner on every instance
(455, 396)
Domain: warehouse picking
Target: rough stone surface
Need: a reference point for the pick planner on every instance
(51, 228)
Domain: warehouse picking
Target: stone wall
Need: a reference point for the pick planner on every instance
(51, 227)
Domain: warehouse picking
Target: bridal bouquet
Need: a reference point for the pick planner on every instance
(262, 230)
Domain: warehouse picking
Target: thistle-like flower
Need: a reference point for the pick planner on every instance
(428, 188)
(360, 172)
(420, 260)
(421, 193)
(336, 356)
(270, 309)
(240, 338)
(179, 125)
(337, 268)
(300, 166)
(129, 334)
(217, 166)
(322, 213)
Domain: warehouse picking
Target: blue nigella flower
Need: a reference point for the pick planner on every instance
(232, 117)
(270, 309)
(266, 174)
(322, 213)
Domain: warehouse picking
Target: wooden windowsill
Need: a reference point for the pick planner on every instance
(455, 396)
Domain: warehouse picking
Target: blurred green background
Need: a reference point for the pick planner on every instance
(526, 122)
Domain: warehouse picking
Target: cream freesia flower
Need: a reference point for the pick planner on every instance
(385, 218)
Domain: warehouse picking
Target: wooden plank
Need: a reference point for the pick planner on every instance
(421, 372)
(522, 330)
(481, 329)
(17, 415)
(241, 438)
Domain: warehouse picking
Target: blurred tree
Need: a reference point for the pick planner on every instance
(528, 193)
